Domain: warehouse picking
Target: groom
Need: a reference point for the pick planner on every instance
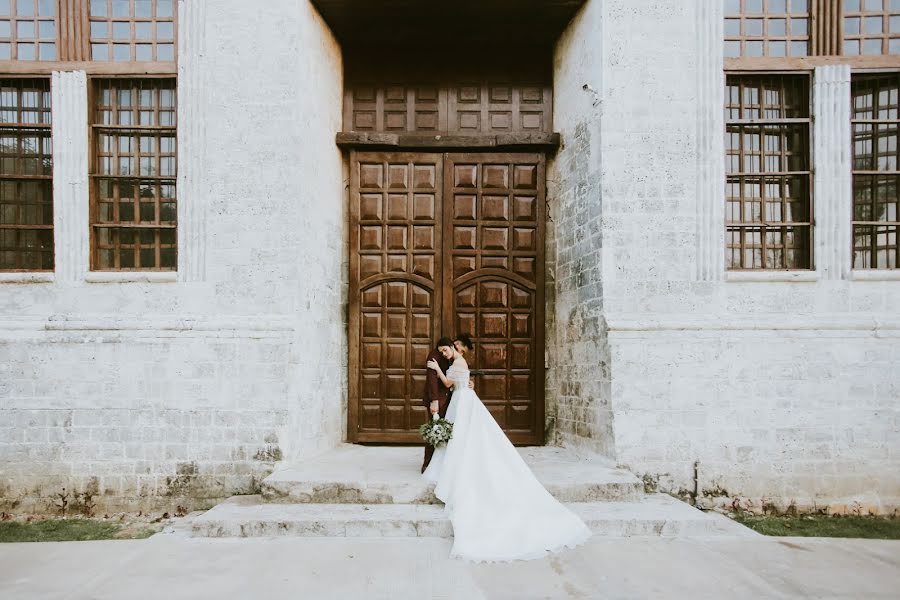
(436, 397)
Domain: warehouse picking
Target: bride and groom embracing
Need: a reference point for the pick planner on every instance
(498, 509)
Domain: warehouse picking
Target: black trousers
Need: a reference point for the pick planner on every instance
(442, 411)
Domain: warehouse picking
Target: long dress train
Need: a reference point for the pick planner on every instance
(498, 508)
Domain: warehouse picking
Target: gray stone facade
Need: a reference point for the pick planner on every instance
(134, 391)
(778, 385)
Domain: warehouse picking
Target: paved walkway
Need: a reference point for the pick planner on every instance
(172, 567)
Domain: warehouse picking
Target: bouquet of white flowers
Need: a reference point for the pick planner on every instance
(437, 431)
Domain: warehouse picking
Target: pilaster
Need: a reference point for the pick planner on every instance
(70, 175)
(710, 165)
(832, 179)
(192, 187)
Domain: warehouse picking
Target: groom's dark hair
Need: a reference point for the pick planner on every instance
(465, 340)
(444, 341)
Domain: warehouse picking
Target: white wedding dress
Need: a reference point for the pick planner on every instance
(498, 509)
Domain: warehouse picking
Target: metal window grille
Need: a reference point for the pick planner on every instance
(133, 197)
(26, 176)
(768, 182)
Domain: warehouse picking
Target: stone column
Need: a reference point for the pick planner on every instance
(70, 175)
(832, 179)
(192, 97)
(710, 208)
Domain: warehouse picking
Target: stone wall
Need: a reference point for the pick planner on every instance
(134, 391)
(780, 384)
(773, 412)
(578, 377)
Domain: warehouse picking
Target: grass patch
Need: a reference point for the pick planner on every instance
(873, 528)
(70, 530)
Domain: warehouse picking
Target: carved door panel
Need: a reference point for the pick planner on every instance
(395, 307)
(444, 244)
(494, 281)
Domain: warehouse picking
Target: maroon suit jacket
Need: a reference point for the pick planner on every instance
(434, 387)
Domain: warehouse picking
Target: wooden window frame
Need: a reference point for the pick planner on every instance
(873, 173)
(826, 34)
(765, 16)
(861, 36)
(95, 224)
(764, 225)
(14, 18)
(21, 177)
(110, 41)
(73, 45)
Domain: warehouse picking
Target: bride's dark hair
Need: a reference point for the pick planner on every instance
(444, 341)
(465, 340)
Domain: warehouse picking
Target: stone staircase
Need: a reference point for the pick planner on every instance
(360, 491)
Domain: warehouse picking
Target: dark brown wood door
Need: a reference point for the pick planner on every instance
(494, 281)
(443, 244)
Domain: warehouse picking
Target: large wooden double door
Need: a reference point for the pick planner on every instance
(442, 244)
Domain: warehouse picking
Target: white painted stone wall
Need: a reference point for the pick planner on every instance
(146, 391)
(152, 391)
(783, 387)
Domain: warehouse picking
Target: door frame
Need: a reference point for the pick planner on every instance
(444, 294)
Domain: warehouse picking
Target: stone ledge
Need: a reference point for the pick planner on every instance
(150, 323)
(26, 278)
(249, 516)
(875, 275)
(131, 277)
(635, 323)
(771, 276)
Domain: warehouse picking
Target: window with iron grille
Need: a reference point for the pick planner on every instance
(875, 99)
(768, 199)
(127, 49)
(26, 176)
(769, 217)
(133, 208)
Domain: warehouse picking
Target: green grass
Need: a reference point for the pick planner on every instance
(69, 530)
(875, 528)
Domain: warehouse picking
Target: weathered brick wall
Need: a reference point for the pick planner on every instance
(149, 395)
(140, 420)
(578, 377)
(785, 416)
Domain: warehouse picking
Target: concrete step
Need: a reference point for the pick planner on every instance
(353, 474)
(655, 515)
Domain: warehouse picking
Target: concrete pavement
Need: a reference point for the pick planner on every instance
(174, 567)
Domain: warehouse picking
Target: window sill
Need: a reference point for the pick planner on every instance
(875, 275)
(765, 276)
(27, 277)
(131, 277)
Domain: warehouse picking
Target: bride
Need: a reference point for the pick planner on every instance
(498, 509)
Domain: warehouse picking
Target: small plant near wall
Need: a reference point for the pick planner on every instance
(739, 506)
(651, 483)
(769, 507)
(62, 502)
